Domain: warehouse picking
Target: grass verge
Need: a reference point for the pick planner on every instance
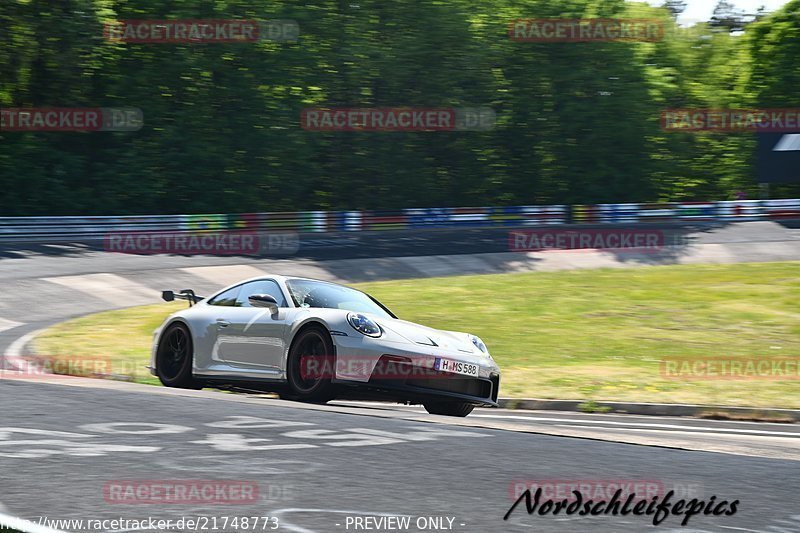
(586, 334)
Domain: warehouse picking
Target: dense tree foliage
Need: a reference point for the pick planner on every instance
(576, 122)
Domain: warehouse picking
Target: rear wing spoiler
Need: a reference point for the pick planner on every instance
(185, 294)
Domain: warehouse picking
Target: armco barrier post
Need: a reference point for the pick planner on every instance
(740, 210)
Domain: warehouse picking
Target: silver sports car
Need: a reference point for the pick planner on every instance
(314, 341)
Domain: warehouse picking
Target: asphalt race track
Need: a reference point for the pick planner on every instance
(315, 466)
(66, 443)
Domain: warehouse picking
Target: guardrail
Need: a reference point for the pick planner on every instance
(64, 229)
(60, 229)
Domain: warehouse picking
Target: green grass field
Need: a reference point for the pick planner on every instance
(587, 334)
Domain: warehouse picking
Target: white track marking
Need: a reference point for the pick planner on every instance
(341, 439)
(235, 442)
(13, 354)
(9, 324)
(644, 425)
(110, 288)
(50, 447)
(15, 348)
(788, 143)
(746, 433)
(5, 433)
(154, 429)
(252, 422)
(226, 274)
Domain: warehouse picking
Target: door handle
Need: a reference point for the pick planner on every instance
(221, 322)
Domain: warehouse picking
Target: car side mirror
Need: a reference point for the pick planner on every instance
(264, 300)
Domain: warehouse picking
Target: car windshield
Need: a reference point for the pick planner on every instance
(310, 293)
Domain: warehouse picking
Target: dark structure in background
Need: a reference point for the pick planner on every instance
(779, 157)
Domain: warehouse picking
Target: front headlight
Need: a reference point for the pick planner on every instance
(479, 344)
(364, 325)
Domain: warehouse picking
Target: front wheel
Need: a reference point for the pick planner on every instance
(449, 408)
(174, 358)
(312, 348)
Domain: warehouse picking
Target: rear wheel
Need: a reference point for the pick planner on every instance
(449, 408)
(312, 348)
(174, 358)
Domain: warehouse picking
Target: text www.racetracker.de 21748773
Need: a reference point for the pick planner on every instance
(195, 523)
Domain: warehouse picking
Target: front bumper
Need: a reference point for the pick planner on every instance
(406, 381)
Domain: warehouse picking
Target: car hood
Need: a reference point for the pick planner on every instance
(423, 335)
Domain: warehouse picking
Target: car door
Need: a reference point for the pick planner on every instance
(255, 337)
(221, 336)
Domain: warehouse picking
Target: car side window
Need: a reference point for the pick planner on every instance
(227, 298)
(265, 286)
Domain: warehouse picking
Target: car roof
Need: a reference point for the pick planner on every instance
(281, 278)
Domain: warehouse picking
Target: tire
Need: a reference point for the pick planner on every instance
(311, 341)
(174, 358)
(449, 408)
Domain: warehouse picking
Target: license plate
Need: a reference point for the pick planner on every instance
(456, 367)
